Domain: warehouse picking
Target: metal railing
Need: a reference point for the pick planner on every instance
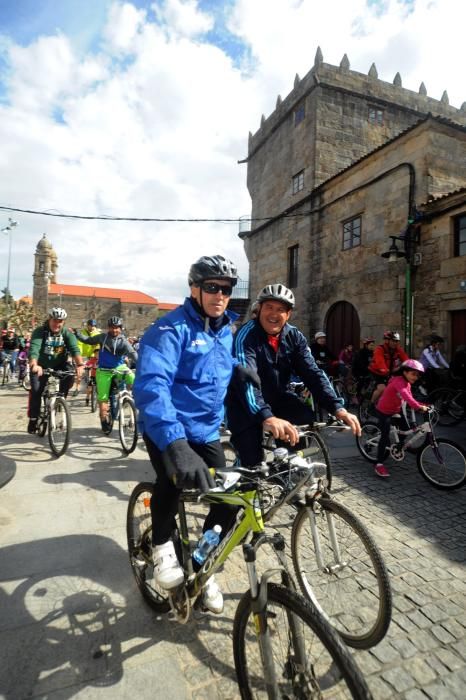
(241, 290)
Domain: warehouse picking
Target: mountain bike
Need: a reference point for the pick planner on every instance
(441, 462)
(55, 417)
(450, 404)
(6, 369)
(283, 647)
(91, 388)
(123, 410)
(337, 562)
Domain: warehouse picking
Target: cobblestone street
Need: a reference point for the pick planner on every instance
(73, 623)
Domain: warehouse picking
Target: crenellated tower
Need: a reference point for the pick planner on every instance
(332, 117)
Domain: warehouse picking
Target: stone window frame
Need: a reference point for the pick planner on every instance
(375, 115)
(140, 310)
(299, 114)
(293, 265)
(353, 240)
(459, 235)
(297, 182)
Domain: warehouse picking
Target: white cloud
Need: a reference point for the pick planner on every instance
(152, 123)
(183, 17)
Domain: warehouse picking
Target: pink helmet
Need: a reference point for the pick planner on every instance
(412, 364)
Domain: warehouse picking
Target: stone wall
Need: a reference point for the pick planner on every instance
(334, 133)
(136, 317)
(432, 158)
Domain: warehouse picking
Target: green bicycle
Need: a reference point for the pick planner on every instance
(283, 646)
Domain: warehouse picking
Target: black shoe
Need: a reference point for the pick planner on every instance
(106, 427)
(32, 426)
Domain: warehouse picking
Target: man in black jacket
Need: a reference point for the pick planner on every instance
(277, 351)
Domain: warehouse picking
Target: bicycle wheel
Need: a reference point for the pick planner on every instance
(340, 390)
(443, 465)
(127, 425)
(6, 374)
(317, 451)
(350, 586)
(139, 536)
(328, 671)
(26, 383)
(368, 441)
(93, 398)
(231, 458)
(449, 404)
(59, 425)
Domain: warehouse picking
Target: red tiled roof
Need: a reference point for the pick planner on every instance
(124, 295)
(167, 306)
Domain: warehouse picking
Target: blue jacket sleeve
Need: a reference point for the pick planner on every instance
(315, 378)
(159, 355)
(249, 395)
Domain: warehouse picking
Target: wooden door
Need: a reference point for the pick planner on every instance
(342, 327)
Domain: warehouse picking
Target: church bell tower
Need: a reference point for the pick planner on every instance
(45, 269)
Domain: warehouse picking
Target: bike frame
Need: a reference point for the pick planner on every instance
(248, 520)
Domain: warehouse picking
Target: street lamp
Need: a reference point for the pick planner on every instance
(8, 229)
(409, 239)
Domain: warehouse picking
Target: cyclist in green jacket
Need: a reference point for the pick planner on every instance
(51, 344)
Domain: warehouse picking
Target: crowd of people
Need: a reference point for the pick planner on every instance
(192, 372)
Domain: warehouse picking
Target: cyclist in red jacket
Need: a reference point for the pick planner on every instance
(386, 359)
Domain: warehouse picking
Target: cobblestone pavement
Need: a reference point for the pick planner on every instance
(73, 624)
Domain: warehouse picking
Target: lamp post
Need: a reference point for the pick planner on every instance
(8, 229)
(410, 240)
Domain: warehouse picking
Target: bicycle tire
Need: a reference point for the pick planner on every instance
(231, 457)
(314, 440)
(6, 374)
(444, 400)
(367, 443)
(59, 427)
(447, 477)
(127, 426)
(357, 598)
(139, 538)
(330, 662)
(26, 383)
(93, 400)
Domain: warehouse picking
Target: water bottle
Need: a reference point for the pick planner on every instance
(206, 544)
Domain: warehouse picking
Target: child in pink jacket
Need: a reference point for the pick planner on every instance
(397, 390)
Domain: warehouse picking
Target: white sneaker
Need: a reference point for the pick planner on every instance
(212, 597)
(167, 570)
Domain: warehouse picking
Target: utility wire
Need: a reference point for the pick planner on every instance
(132, 218)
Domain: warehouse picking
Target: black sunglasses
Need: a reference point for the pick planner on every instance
(214, 288)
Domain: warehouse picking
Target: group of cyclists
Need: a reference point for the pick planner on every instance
(192, 373)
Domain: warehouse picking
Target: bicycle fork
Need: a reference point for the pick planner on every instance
(259, 599)
(339, 563)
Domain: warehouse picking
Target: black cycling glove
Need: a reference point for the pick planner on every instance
(243, 374)
(187, 468)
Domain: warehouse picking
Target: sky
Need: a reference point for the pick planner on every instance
(142, 109)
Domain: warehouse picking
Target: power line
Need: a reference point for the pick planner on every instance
(146, 219)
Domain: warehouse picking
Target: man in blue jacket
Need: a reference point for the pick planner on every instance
(276, 351)
(185, 365)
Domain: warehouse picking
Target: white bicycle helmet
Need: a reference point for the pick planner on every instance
(58, 313)
(277, 292)
(320, 334)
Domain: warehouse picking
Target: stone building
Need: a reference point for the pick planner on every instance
(137, 309)
(345, 162)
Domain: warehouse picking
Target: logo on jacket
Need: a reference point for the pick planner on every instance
(198, 341)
